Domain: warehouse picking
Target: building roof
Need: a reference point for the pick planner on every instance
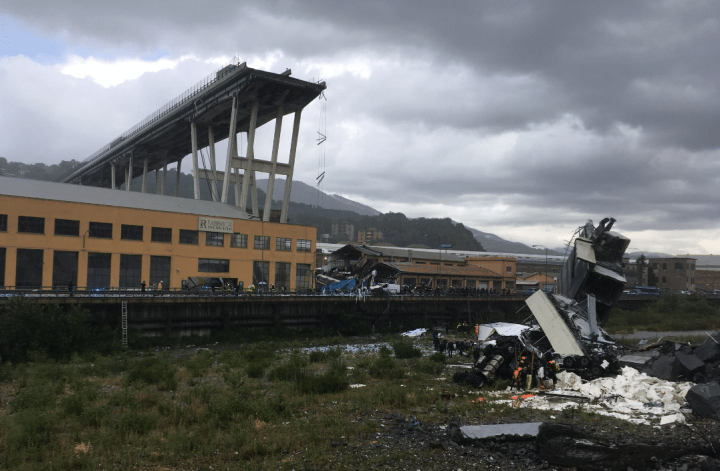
(465, 271)
(51, 191)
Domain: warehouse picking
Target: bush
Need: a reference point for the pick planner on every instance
(47, 330)
(404, 348)
(385, 367)
(428, 366)
(329, 382)
(153, 370)
(199, 363)
(289, 370)
(438, 357)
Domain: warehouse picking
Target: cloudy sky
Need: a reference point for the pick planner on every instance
(523, 119)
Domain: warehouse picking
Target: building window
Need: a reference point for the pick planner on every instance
(65, 268)
(161, 234)
(456, 283)
(262, 243)
(31, 225)
(160, 270)
(261, 273)
(304, 245)
(664, 279)
(442, 283)
(67, 227)
(3, 222)
(215, 238)
(508, 269)
(28, 268)
(130, 232)
(188, 237)
(678, 266)
(303, 272)
(130, 269)
(664, 266)
(238, 240)
(210, 265)
(283, 244)
(410, 281)
(101, 230)
(471, 284)
(282, 275)
(98, 272)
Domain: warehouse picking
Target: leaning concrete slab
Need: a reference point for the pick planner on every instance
(558, 333)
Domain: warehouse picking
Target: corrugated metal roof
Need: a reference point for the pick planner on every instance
(118, 198)
(468, 270)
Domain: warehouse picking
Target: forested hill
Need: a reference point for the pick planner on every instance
(396, 228)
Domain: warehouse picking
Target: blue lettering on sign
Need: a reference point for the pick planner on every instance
(445, 246)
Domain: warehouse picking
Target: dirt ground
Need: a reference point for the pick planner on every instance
(406, 444)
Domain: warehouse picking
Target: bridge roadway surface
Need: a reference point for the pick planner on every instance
(164, 137)
(179, 311)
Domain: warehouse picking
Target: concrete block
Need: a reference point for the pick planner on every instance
(708, 351)
(689, 364)
(704, 399)
(633, 361)
(501, 431)
(666, 368)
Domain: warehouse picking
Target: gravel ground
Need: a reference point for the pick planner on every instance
(403, 445)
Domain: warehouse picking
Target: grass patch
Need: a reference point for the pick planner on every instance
(405, 348)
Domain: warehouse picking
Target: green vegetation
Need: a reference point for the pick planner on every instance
(670, 312)
(205, 409)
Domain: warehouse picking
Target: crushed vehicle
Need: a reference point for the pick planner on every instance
(566, 332)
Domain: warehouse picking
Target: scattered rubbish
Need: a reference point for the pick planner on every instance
(355, 386)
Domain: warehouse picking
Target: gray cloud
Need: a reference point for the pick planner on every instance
(554, 109)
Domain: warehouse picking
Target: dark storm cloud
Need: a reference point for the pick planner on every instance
(555, 109)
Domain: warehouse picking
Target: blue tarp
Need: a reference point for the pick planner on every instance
(344, 284)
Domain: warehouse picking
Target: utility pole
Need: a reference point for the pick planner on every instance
(440, 259)
(546, 264)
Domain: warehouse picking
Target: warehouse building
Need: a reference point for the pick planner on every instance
(54, 234)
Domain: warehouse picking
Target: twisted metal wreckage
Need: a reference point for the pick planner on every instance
(568, 333)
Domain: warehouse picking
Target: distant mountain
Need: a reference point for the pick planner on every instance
(306, 194)
(493, 243)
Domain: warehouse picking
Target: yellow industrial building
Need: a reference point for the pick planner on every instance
(54, 234)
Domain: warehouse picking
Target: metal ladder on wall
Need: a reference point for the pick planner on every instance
(124, 324)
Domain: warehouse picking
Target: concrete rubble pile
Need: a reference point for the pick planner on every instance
(564, 343)
(567, 331)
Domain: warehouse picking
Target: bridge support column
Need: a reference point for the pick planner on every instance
(237, 187)
(144, 180)
(250, 156)
(211, 147)
(230, 151)
(177, 178)
(112, 177)
(157, 182)
(289, 177)
(196, 176)
(271, 178)
(128, 175)
(164, 177)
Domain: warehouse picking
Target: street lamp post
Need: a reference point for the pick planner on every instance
(439, 261)
(546, 264)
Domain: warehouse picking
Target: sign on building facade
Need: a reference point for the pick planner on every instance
(215, 225)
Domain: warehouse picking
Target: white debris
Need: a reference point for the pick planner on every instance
(631, 396)
(415, 333)
(355, 386)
